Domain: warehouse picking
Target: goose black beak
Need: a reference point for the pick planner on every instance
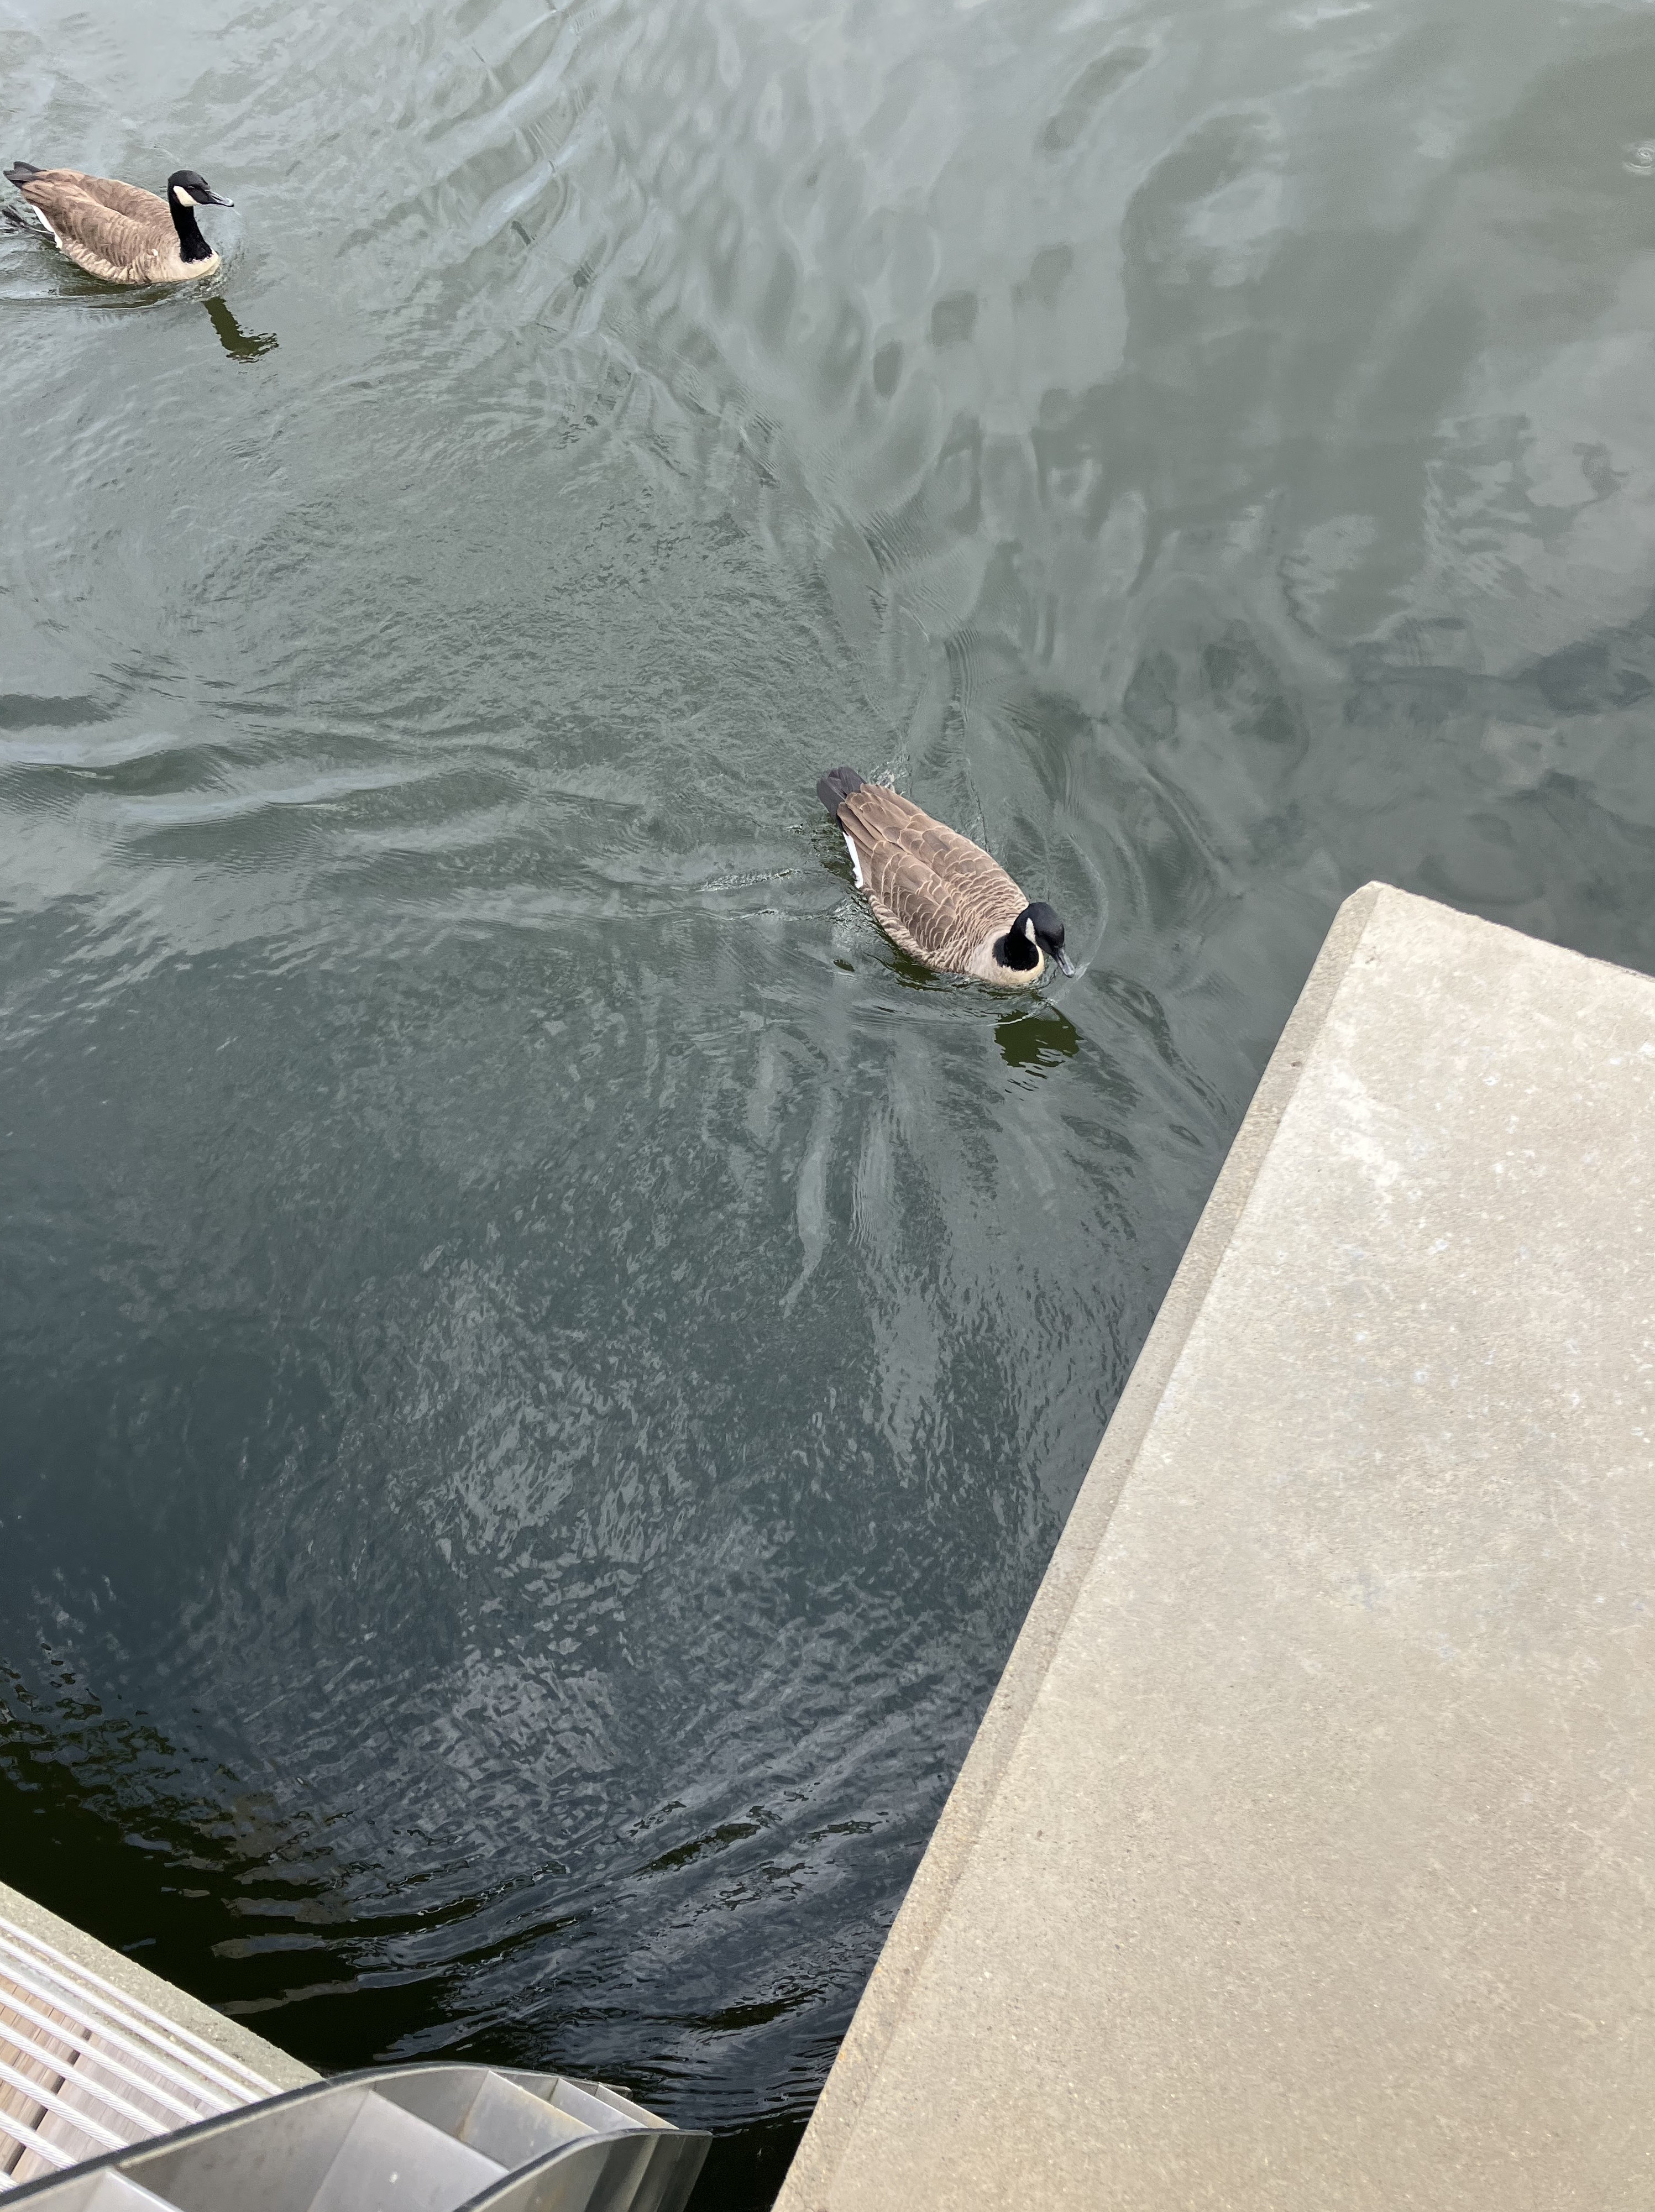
(213, 200)
(1064, 961)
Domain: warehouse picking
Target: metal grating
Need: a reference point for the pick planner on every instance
(85, 2068)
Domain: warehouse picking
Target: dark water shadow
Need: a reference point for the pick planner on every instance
(1036, 1040)
(746, 2167)
(240, 345)
(151, 1871)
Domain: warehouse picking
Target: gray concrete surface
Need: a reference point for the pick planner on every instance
(136, 1981)
(1305, 1858)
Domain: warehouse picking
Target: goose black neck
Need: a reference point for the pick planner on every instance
(191, 245)
(1015, 951)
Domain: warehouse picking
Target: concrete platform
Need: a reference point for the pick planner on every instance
(1305, 1858)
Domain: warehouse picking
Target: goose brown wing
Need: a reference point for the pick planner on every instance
(90, 227)
(932, 888)
(146, 208)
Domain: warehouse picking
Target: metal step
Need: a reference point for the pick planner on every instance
(436, 2138)
(500, 2118)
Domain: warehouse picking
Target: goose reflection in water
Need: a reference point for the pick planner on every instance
(1036, 1040)
(240, 345)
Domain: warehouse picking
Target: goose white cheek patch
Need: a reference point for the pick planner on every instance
(855, 859)
(182, 197)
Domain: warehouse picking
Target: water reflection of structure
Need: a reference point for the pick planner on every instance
(240, 345)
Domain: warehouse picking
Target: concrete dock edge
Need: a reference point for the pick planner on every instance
(923, 1908)
(1300, 1862)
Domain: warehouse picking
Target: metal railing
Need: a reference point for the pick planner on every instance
(87, 2068)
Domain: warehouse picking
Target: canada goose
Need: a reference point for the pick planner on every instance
(938, 895)
(117, 231)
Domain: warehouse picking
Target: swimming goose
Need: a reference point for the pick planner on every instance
(936, 893)
(116, 231)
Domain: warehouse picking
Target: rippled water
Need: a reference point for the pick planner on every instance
(542, 1363)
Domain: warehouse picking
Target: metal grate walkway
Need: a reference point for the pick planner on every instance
(86, 2069)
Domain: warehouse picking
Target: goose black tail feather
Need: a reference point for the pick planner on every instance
(836, 786)
(21, 171)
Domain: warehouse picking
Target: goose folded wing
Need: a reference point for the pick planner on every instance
(933, 890)
(54, 190)
(947, 915)
(871, 812)
(97, 235)
(874, 816)
(914, 903)
(146, 208)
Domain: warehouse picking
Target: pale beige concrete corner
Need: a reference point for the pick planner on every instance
(1304, 1860)
(136, 1981)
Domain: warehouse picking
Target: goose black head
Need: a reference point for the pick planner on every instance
(188, 188)
(1049, 932)
(1036, 930)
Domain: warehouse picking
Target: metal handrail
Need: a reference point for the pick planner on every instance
(94, 2013)
(113, 2057)
(134, 2012)
(87, 2063)
(54, 2154)
(103, 2056)
(82, 2123)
